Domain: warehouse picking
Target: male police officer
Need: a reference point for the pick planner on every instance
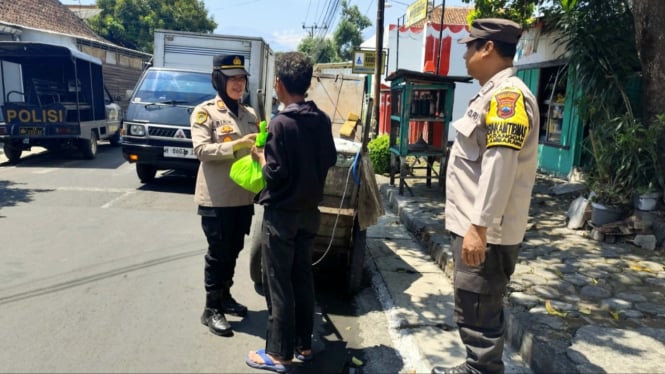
(223, 130)
(491, 172)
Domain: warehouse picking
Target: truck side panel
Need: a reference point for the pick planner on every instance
(195, 51)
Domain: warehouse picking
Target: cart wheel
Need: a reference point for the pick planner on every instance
(357, 261)
(253, 242)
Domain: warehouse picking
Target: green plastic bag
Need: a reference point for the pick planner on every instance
(247, 174)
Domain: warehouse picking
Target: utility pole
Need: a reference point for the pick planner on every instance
(438, 53)
(379, 62)
(312, 28)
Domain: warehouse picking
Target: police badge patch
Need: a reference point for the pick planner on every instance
(507, 121)
(506, 104)
(201, 117)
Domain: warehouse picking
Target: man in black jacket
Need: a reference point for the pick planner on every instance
(295, 161)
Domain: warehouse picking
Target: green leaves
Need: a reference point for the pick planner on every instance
(131, 23)
(379, 153)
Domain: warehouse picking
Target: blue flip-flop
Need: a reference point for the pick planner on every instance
(267, 364)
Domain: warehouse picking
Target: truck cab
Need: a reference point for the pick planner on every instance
(53, 96)
(156, 128)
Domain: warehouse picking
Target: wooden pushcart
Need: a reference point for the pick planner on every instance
(340, 243)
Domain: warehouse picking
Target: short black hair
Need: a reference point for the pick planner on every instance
(503, 49)
(294, 70)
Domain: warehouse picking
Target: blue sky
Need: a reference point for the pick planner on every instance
(280, 22)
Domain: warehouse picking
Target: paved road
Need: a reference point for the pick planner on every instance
(100, 273)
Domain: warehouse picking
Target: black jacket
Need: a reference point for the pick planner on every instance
(299, 151)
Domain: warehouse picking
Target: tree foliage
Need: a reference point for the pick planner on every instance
(600, 40)
(609, 44)
(131, 23)
(520, 11)
(320, 50)
(348, 33)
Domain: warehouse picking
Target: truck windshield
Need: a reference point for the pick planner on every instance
(174, 87)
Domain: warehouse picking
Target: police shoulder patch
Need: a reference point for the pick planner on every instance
(201, 117)
(507, 120)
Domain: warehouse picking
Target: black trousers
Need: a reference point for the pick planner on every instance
(479, 311)
(225, 230)
(287, 245)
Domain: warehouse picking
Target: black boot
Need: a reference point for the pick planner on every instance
(229, 304)
(216, 322)
(213, 316)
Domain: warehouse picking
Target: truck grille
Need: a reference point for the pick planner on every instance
(167, 132)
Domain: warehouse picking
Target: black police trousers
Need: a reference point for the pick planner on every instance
(225, 230)
(479, 314)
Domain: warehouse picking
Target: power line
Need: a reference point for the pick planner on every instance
(312, 28)
(328, 17)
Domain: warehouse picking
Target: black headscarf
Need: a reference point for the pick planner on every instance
(219, 82)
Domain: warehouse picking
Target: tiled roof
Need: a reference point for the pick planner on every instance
(47, 15)
(452, 16)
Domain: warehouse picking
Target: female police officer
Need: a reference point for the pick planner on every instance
(223, 130)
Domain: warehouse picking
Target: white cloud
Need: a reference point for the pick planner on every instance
(286, 40)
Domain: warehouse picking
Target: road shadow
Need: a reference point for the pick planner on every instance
(11, 194)
(171, 181)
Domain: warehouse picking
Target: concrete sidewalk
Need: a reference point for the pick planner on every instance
(573, 305)
(418, 299)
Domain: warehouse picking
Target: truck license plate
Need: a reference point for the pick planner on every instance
(31, 131)
(179, 152)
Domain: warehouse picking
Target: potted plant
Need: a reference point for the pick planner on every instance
(651, 180)
(626, 156)
(646, 199)
(608, 200)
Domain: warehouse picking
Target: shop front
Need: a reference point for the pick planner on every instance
(541, 65)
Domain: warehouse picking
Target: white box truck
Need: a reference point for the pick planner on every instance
(156, 128)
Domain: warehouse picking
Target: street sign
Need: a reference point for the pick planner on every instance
(364, 61)
(416, 12)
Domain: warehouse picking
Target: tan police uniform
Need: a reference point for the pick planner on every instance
(490, 175)
(215, 129)
(492, 164)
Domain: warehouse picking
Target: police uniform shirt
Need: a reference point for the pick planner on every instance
(215, 129)
(492, 165)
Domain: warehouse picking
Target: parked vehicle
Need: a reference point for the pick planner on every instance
(54, 96)
(156, 129)
(156, 132)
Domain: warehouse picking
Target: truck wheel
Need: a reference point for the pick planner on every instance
(357, 261)
(89, 146)
(12, 152)
(115, 139)
(253, 242)
(146, 173)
